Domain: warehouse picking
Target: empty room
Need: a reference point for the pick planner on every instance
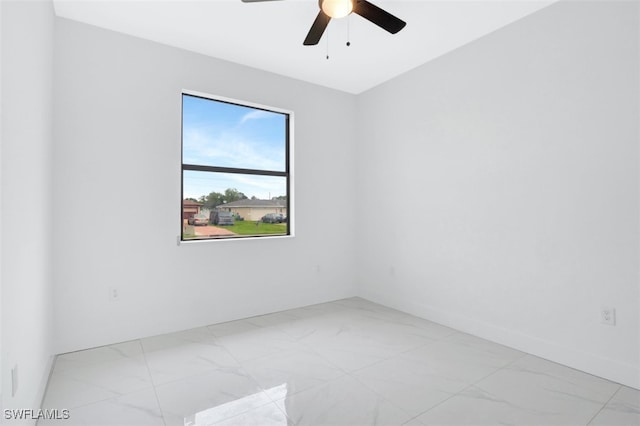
(334, 212)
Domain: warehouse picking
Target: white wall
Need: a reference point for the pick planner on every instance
(26, 225)
(1, 126)
(498, 188)
(117, 132)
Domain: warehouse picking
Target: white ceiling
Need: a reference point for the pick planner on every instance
(269, 35)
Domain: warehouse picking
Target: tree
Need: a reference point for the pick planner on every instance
(232, 194)
(212, 200)
(280, 197)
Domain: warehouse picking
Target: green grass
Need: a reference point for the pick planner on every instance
(249, 227)
(246, 227)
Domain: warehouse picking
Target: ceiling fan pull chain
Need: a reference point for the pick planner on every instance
(348, 30)
(327, 38)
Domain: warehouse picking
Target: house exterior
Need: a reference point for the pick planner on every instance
(190, 208)
(255, 209)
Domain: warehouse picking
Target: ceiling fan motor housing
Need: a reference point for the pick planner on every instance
(336, 8)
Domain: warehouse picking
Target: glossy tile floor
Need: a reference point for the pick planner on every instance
(349, 362)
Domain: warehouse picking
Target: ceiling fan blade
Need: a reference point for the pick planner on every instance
(378, 16)
(317, 29)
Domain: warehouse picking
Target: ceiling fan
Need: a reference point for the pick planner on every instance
(340, 8)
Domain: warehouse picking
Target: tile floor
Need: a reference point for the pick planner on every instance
(349, 362)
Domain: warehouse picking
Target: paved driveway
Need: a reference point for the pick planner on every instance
(210, 231)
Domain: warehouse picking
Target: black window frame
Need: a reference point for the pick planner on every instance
(287, 173)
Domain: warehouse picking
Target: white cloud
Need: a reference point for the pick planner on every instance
(228, 150)
(255, 115)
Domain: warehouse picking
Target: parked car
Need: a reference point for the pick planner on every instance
(222, 218)
(198, 219)
(272, 218)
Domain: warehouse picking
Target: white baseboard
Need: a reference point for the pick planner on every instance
(616, 371)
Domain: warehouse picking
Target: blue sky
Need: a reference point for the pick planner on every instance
(203, 183)
(227, 135)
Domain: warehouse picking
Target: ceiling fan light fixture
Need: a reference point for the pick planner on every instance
(337, 8)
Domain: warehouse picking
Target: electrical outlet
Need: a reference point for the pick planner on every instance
(14, 380)
(608, 315)
(114, 294)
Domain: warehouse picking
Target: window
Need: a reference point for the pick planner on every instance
(236, 178)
